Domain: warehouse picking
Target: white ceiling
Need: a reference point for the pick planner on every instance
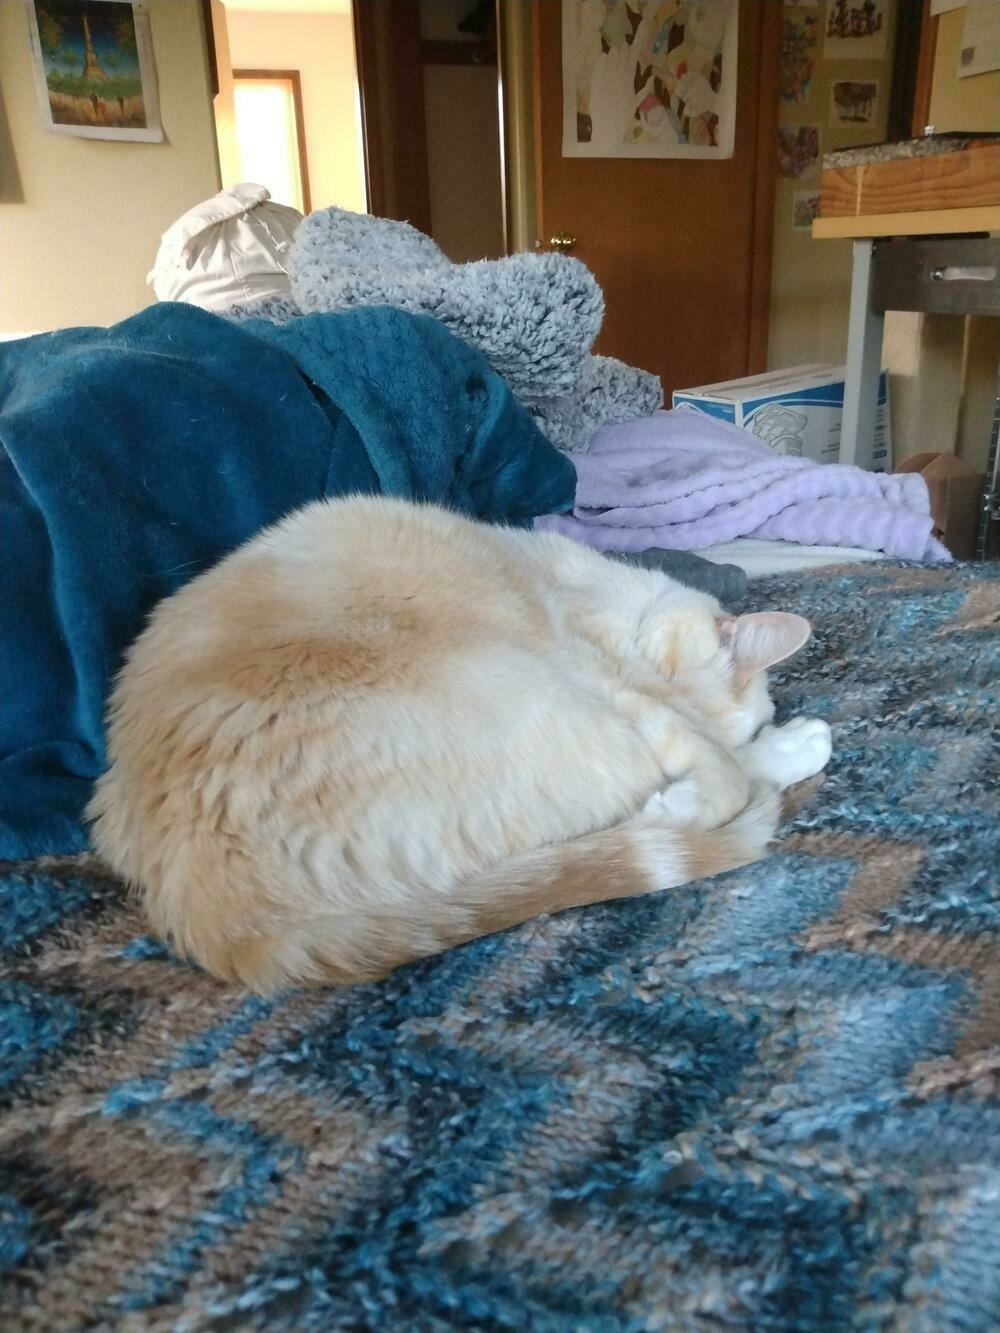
(292, 6)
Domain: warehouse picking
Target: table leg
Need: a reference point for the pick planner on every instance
(864, 364)
(990, 510)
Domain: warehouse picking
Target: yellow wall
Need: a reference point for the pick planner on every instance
(81, 219)
(961, 104)
(811, 280)
(321, 48)
(463, 160)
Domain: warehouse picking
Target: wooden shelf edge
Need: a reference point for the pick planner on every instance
(938, 221)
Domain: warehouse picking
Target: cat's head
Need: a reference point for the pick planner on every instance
(720, 662)
(750, 645)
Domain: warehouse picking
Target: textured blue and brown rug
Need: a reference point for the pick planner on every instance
(767, 1102)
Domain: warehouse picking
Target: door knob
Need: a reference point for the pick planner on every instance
(563, 242)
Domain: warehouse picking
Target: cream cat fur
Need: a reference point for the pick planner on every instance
(379, 729)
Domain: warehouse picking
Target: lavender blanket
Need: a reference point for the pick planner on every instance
(682, 480)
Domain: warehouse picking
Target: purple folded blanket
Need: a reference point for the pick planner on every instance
(682, 480)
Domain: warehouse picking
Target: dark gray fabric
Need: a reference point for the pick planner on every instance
(726, 582)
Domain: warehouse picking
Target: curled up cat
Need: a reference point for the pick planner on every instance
(380, 729)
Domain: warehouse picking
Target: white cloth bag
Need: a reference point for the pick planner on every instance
(231, 248)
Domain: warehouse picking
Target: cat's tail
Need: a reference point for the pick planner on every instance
(641, 855)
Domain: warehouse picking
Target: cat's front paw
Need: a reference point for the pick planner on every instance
(789, 754)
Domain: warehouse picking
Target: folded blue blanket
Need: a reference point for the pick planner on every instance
(135, 457)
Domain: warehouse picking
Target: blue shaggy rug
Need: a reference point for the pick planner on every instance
(765, 1102)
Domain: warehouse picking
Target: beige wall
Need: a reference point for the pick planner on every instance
(463, 160)
(961, 104)
(81, 219)
(462, 122)
(811, 280)
(321, 48)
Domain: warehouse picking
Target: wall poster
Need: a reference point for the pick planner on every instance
(980, 51)
(649, 78)
(94, 69)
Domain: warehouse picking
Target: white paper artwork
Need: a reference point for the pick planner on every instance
(649, 80)
(855, 30)
(980, 49)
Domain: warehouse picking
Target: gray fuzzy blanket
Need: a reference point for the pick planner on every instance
(534, 316)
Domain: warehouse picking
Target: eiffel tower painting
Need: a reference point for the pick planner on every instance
(94, 68)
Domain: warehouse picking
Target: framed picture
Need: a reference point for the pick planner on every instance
(649, 80)
(94, 68)
(853, 102)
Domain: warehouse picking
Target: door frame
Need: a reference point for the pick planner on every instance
(389, 58)
(923, 77)
(294, 79)
(393, 126)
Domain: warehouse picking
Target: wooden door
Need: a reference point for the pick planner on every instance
(682, 247)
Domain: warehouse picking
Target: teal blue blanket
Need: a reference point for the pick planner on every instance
(136, 456)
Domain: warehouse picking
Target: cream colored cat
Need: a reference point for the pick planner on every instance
(380, 729)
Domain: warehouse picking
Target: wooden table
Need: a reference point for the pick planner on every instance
(920, 214)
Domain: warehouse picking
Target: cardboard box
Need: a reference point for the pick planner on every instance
(796, 411)
(956, 492)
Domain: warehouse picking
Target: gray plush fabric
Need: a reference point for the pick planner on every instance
(278, 309)
(534, 316)
(609, 391)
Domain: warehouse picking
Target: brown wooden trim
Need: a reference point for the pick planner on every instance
(366, 64)
(911, 18)
(925, 71)
(407, 114)
(458, 53)
(536, 109)
(210, 49)
(766, 168)
(503, 129)
(287, 76)
(394, 128)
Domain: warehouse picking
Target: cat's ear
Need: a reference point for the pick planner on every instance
(762, 639)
